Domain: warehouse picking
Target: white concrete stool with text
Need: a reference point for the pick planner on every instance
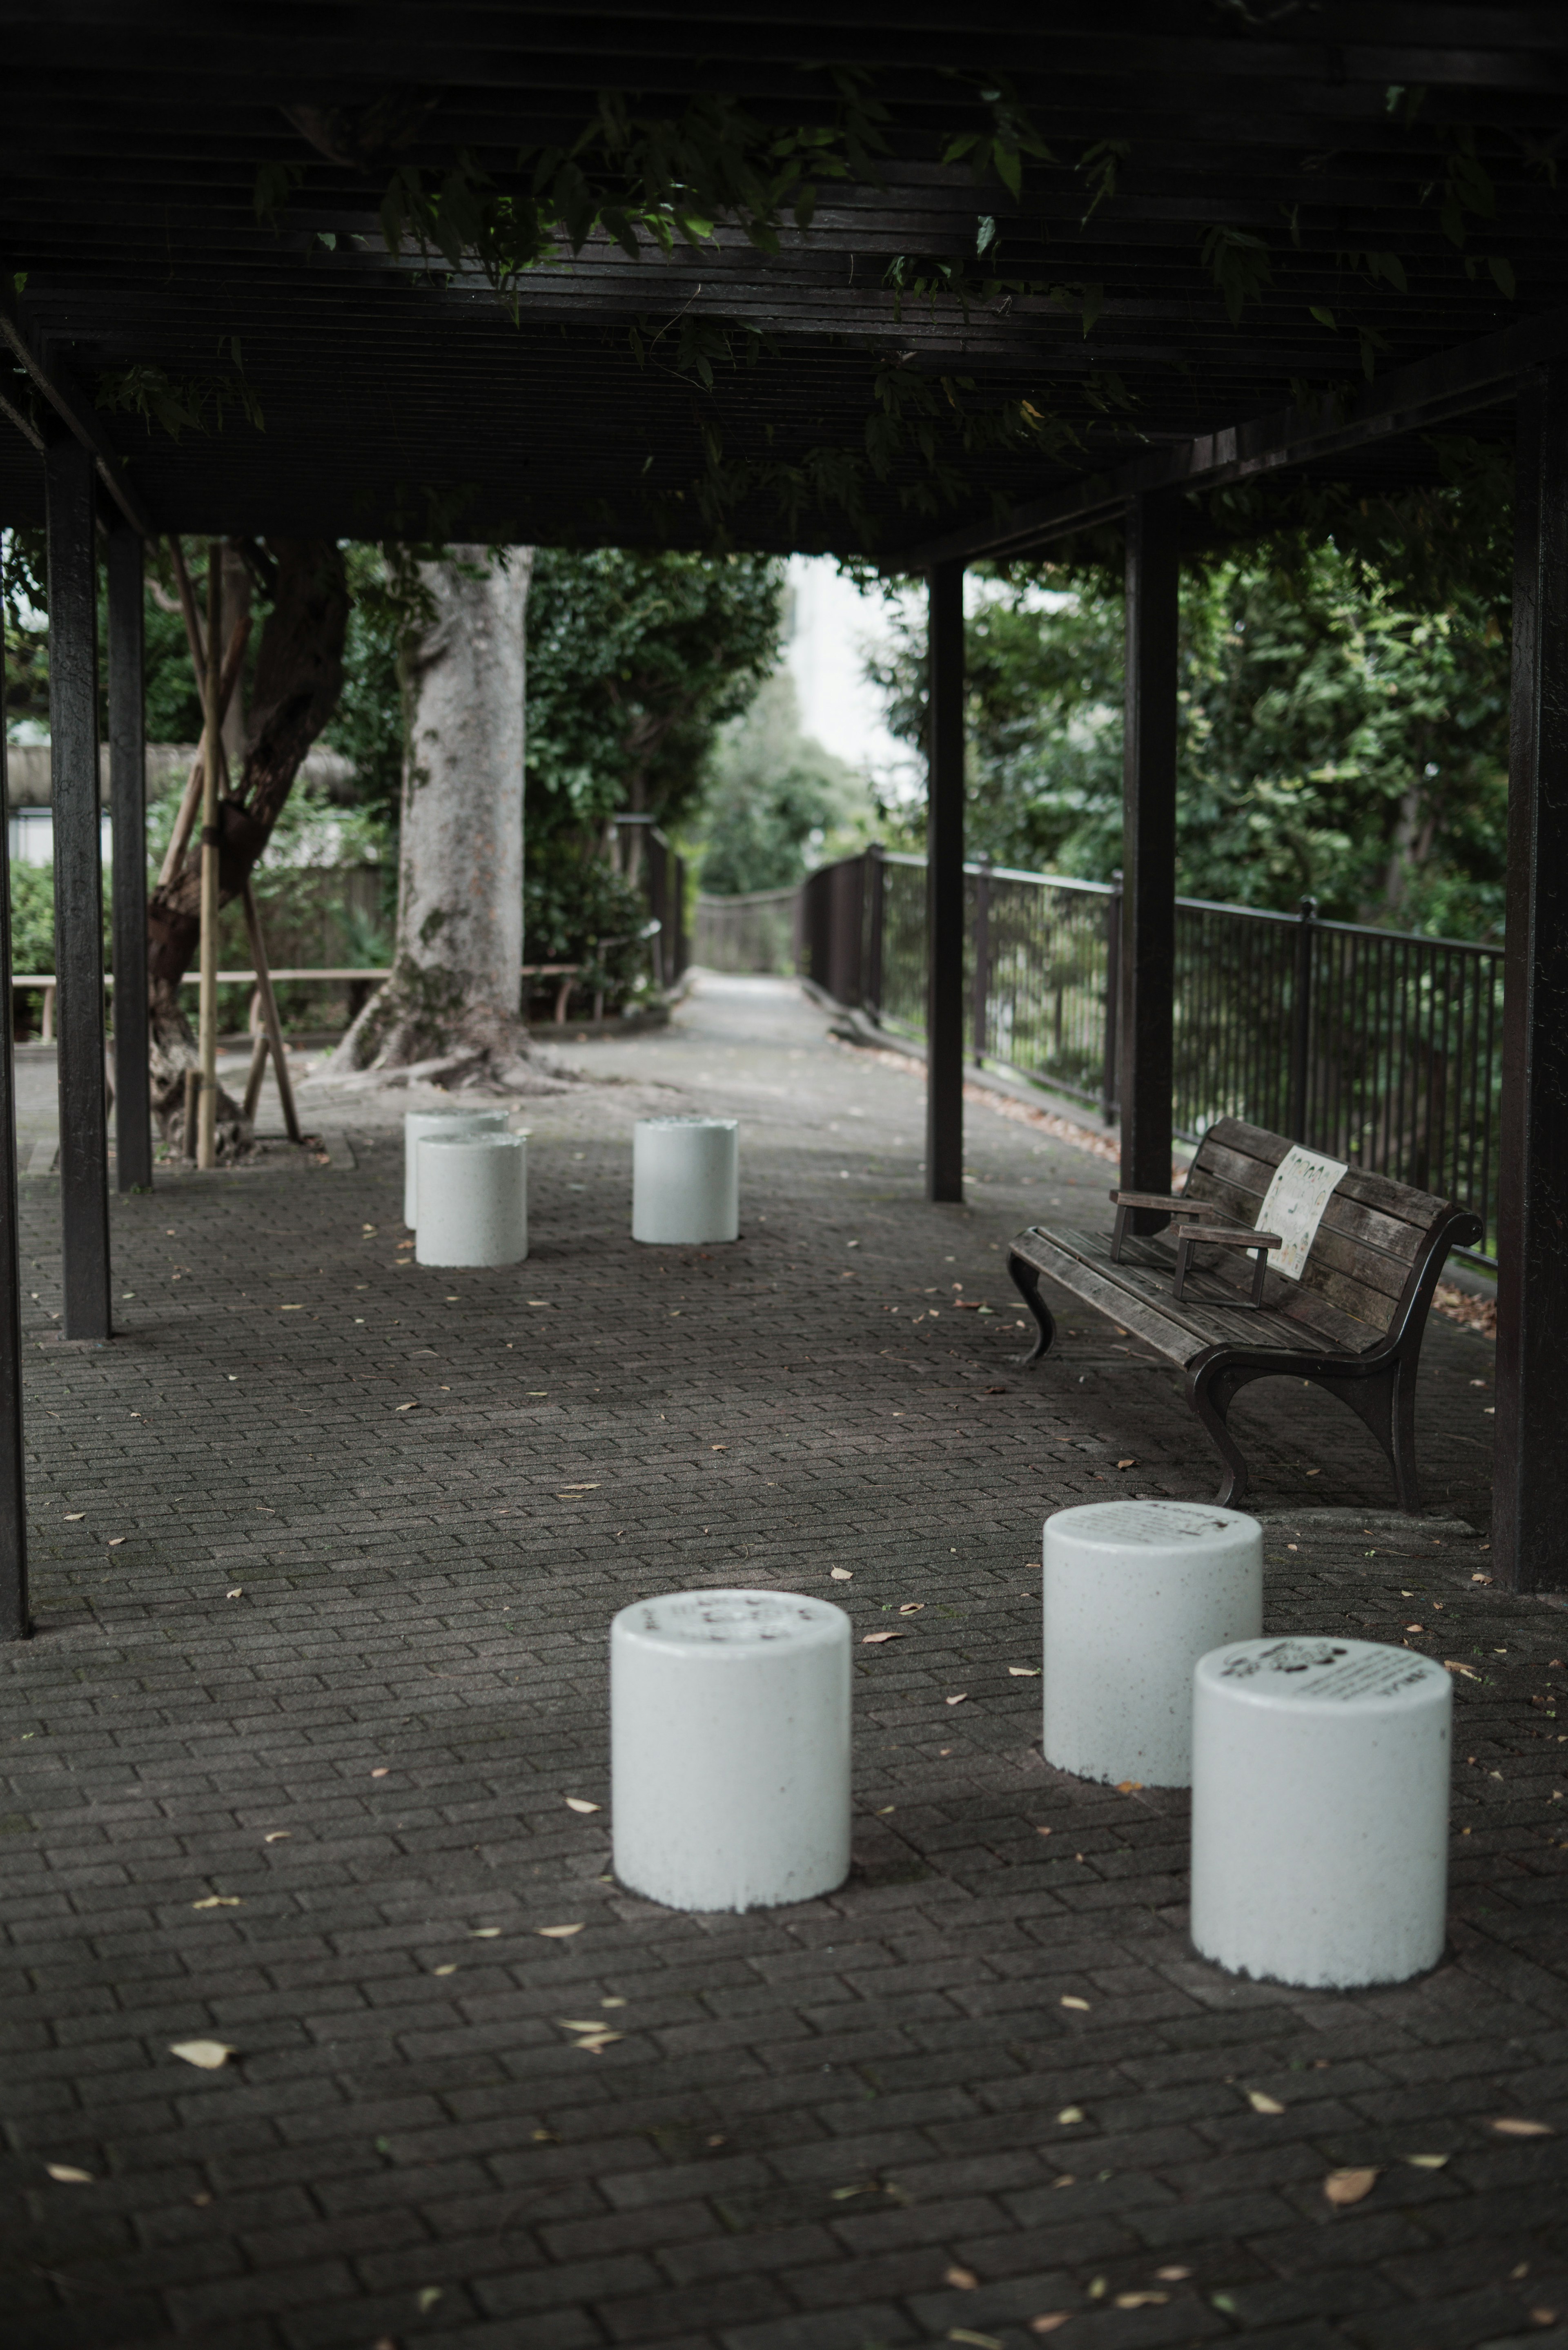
(1135, 1593)
(685, 1179)
(730, 1748)
(473, 1199)
(1320, 1811)
(417, 1123)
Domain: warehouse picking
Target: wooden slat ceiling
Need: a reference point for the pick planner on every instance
(397, 400)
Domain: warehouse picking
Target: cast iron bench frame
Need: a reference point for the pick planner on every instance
(1353, 1324)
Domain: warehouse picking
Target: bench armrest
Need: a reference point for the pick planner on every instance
(1172, 1206)
(1232, 1236)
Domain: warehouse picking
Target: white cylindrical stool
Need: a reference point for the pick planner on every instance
(1320, 1811)
(1135, 1594)
(473, 1199)
(730, 1748)
(685, 1179)
(417, 1123)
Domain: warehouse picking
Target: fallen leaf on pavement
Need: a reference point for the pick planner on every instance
(237, 1593)
(1129, 1786)
(911, 1608)
(484, 1933)
(381, 1771)
(429, 2296)
(1071, 2114)
(1264, 2104)
(980, 2341)
(1544, 2317)
(277, 1836)
(219, 1901)
(1172, 2275)
(873, 1640)
(1141, 2301)
(842, 1574)
(557, 1933)
(1128, 1465)
(1068, 2000)
(1025, 1672)
(964, 2279)
(72, 1516)
(208, 2053)
(956, 1700)
(69, 2177)
(1510, 2125)
(405, 1407)
(1454, 1666)
(1343, 2186)
(1425, 2161)
(581, 1803)
(450, 1968)
(1050, 2321)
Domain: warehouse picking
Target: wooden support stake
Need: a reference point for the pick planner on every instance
(212, 747)
(273, 1027)
(192, 797)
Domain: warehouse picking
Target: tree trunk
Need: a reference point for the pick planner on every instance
(450, 1008)
(299, 678)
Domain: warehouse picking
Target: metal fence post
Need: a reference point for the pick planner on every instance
(14, 1621)
(979, 1017)
(874, 885)
(1301, 1023)
(1108, 1081)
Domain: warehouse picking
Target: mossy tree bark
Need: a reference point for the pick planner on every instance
(450, 1010)
(299, 678)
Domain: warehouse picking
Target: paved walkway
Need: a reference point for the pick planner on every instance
(326, 1545)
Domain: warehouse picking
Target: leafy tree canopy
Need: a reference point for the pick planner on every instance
(774, 798)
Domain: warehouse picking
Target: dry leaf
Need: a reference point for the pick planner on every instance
(1343, 2186)
(842, 1574)
(1129, 1464)
(595, 2043)
(1025, 1672)
(1068, 2000)
(956, 1700)
(1512, 2126)
(450, 1968)
(208, 2053)
(1071, 2114)
(1141, 2301)
(1425, 2161)
(1044, 1831)
(965, 2280)
(484, 1933)
(277, 1836)
(556, 1933)
(237, 1593)
(873, 1640)
(219, 1901)
(911, 1608)
(1454, 1666)
(980, 2341)
(1050, 2321)
(1172, 2275)
(115, 1540)
(1264, 2104)
(72, 1516)
(428, 2297)
(1129, 1786)
(381, 1771)
(581, 1803)
(405, 1407)
(69, 2177)
(1544, 2317)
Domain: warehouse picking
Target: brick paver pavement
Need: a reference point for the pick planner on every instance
(326, 1546)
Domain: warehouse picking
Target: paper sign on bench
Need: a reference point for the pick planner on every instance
(1293, 1203)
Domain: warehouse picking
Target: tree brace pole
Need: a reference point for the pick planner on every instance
(207, 1095)
(1146, 1052)
(1529, 1503)
(271, 1037)
(944, 887)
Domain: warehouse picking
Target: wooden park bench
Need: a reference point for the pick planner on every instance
(1352, 1323)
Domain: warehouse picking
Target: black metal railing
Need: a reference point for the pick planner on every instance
(1374, 1046)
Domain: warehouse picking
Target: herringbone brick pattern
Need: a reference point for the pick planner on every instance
(286, 1767)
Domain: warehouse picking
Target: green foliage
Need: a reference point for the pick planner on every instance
(367, 725)
(181, 404)
(1342, 733)
(576, 910)
(634, 662)
(33, 917)
(24, 602)
(772, 794)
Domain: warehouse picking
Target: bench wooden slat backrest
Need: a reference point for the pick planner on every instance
(1372, 1233)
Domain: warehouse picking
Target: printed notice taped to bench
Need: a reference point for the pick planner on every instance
(1293, 1203)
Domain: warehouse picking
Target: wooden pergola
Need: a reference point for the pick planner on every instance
(1077, 273)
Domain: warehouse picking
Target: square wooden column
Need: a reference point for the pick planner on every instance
(79, 887)
(1530, 1504)
(128, 799)
(944, 885)
(1148, 852)
(14, 1623)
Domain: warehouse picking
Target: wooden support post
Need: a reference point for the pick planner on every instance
(1530, 1504)
(127, 795)
(212, 750)
(1146, 1042)
(944, 887)
(14, 1621)
(69, 484)
(272, 1025)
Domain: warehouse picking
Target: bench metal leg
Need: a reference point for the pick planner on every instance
(1386, 1405)
(1211, 1394)
(1027, 1281)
